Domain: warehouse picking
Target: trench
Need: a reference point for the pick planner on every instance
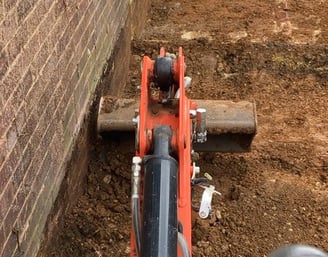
(275, 195)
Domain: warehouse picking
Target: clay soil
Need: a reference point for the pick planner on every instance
(274, 53)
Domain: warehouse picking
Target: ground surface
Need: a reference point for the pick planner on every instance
(271, 52)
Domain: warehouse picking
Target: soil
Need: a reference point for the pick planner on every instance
(271, 52)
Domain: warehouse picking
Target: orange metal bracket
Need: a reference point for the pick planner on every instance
(180, 122)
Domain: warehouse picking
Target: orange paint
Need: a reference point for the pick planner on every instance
(177, 116)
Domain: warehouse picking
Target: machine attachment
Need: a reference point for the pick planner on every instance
(231, 126)
(168, 129)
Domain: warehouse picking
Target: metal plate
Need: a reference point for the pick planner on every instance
(231, 125)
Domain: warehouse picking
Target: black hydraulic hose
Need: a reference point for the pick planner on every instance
(183, 245)
(136, 223)
(159, 236)
(135, 201)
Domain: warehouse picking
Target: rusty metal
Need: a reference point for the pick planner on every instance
(116, 114)
(231, 126)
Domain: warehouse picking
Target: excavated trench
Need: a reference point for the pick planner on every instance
(275, 195)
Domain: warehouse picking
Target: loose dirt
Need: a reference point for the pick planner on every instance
(271, 52)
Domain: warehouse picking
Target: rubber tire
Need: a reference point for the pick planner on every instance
(298, 251)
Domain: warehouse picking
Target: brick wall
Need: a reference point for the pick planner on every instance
(52, 55)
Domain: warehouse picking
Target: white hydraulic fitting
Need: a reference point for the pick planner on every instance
(135, 120)
(195, 170)
(193, 114)
(136, 160)
(136, 168)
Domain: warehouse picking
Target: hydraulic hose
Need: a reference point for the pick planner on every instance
(183, 245)
(135, 190)
(159, 236)
(136, 223)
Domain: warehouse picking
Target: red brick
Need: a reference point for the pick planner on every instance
(10, 82)
(38, 132)
(76, 38)
(37, 221)
(11, 137)
(51, 43)
(55, 99)
(66, 77)
(10, 246)
(11, 162)
(40, 69)
(34, 20)
(42, 105)
(48, 136)
(80, 100)
(100, 8)
(45, 166)
(73, 23)
(58, 115)
(5, 174)
(16, 44)
(2, 237)
(26, 209)
(6, 199)
(3, 63)
(50, 69)
(32, 171)
(31, 49)
(55, 145)
(27, 130)
(31, 195)
(18, 96)
(48, 3)
(40, 10)
(2, 127)
(9, 4)
(82, 28)
(41, 57)
(82, 8)
(10, 220)
(20, 119)
(27, 82)
(27, 206)
(3, 149)
(23, 9)
(59, 8)
(33, 96)
(8, 28)
(23, 165)
(47, 24)
(63, 41)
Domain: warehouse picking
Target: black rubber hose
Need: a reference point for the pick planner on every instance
(159, 237)
(136, 223)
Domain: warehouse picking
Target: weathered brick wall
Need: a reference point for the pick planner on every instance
(52, 55)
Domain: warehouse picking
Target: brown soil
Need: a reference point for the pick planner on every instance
(273, 53)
